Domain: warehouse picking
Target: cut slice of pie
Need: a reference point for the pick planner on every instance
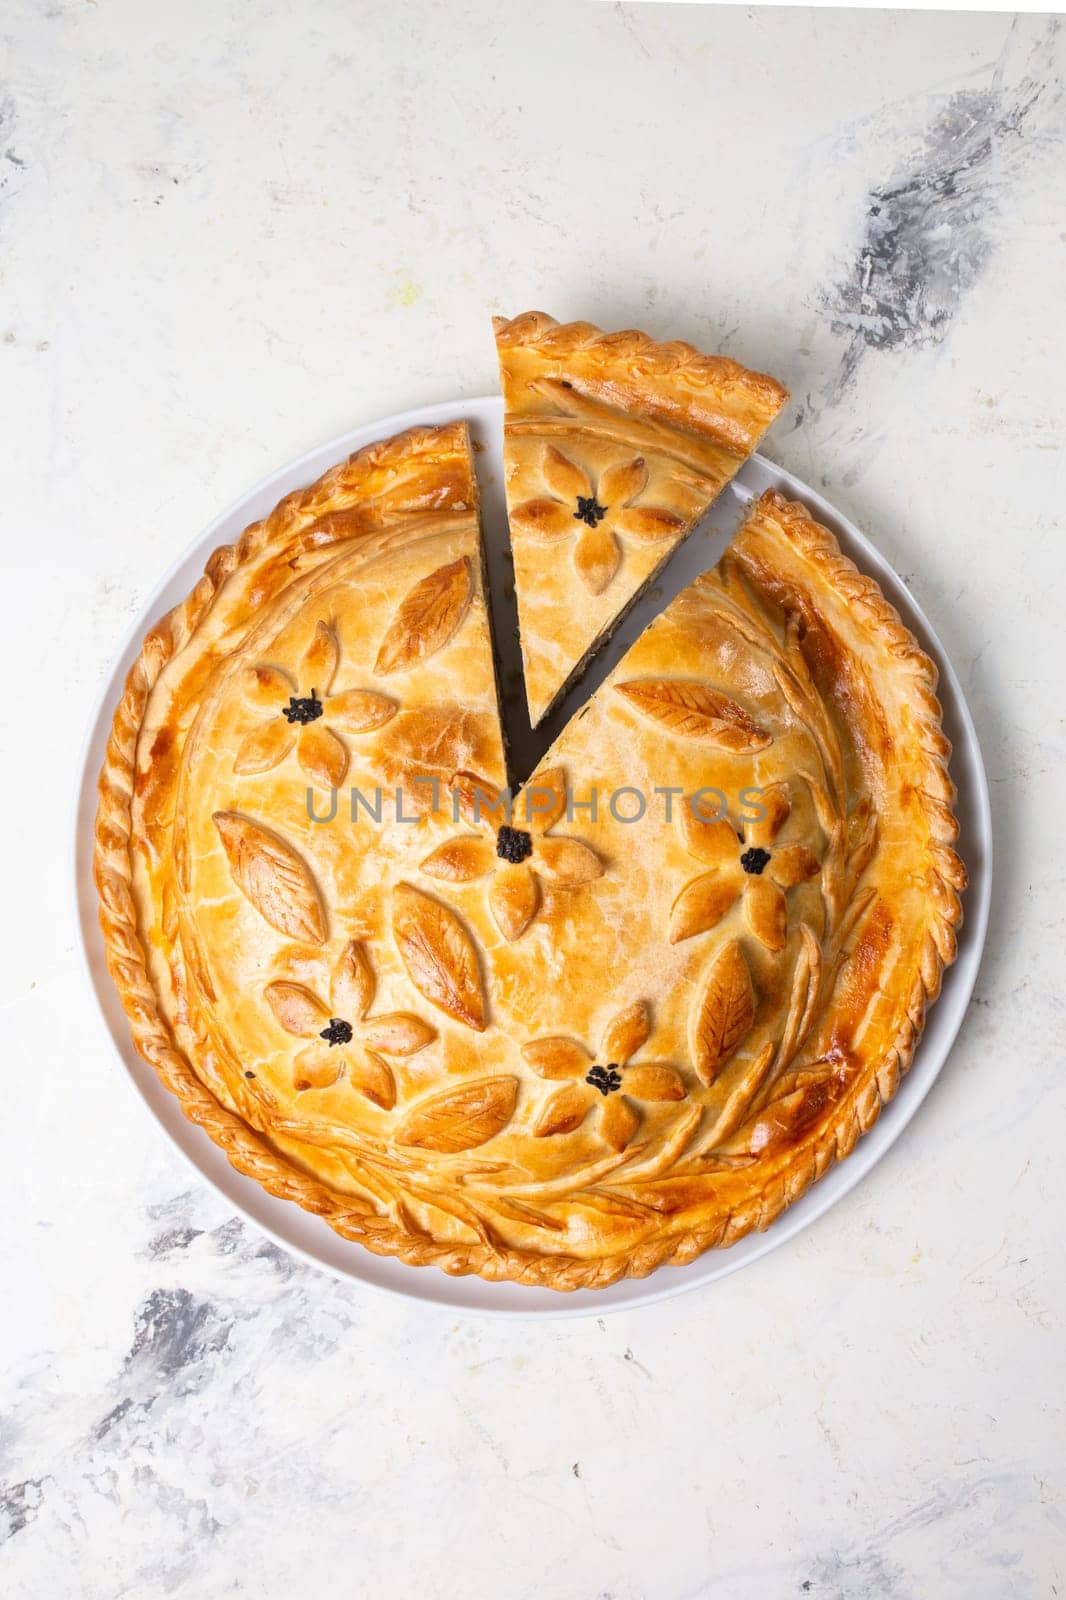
(614, 448)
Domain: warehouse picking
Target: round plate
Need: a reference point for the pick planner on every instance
(313, 1240)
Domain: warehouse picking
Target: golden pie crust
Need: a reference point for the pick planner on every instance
(614, 448)
(616, 1043)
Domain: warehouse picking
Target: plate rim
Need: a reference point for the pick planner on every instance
(430, 1286)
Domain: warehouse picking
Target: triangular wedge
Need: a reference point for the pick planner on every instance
(614, 449)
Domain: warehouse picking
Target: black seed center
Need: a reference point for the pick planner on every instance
(302, 710)
(338, 1032)
(513, 844)
(589, 510)
(754, 860)
(605, 1079)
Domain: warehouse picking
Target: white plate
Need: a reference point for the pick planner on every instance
(311, 1239)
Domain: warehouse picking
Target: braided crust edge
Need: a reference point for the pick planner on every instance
(790, 520)
(251, 1156)
(629, 354)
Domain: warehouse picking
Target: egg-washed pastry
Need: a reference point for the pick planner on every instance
(615, 447)
(624, 1019)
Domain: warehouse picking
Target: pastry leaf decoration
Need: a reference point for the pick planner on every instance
(557, 1058)
(296, 1008)
(372, 1077)
(563, 1112)
(439, 956)
(426, 618)
(723, 1013)
(602, 510)
(308, 721)
(693, 711)
(273, 877)
(459, 1119)
(788, 1118)
(354, 1043)
(609, 1083)
(597, 556)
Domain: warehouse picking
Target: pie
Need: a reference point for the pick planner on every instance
(614, 448)
(623, 1019)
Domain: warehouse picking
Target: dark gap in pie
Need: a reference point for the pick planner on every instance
(522, 747)
(663, 585)
(525, 747)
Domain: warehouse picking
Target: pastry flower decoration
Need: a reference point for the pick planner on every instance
(516, 857)
(305, 715)
(607, 1082)
(746, 863)
(595, 513)
(347, 1043)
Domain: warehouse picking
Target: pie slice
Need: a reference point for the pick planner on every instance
(625, 1021)
(614, 448)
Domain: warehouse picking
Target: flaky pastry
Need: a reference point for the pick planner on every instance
(628, 1018)
(614, 448)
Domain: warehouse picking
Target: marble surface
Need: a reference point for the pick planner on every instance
(228, 232)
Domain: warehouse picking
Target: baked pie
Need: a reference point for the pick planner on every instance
(614, 448)
(624, 1017)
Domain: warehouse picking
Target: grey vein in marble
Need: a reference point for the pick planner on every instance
(187, 1348)
(929, 229)
(11, 163)
(19, 1504)
(176, 1335)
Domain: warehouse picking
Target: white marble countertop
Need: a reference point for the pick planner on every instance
(229, 231)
